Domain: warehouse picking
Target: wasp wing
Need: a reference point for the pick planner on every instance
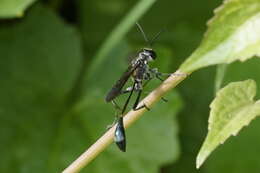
(117, 88)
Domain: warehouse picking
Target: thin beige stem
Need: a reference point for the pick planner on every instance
(129, 119)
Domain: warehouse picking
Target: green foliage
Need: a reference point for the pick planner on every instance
(13, 8)
(48, 128)
(233, 34)
(238, 154)
(40, 61)
(54, 77)
(119, 32)
(232, 109)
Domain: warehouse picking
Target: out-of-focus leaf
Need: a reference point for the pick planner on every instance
(121, 29)
(233, 34)
(14, 8)
(232, 109)
(116, 19)
(220, 75)
(40, 61)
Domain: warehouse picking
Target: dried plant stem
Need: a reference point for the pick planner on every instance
(129, 118)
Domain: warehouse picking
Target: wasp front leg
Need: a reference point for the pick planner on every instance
(158, 75)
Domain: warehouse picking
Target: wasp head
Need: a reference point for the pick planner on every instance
(148, 54)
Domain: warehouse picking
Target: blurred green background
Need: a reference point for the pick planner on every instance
(54, 77)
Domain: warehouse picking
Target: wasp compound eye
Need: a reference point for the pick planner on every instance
(152, 54)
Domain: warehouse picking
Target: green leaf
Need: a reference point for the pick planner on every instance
(14, 8)
(233, 34)
(40, 61)
(121, 29)
(233, 150)
(232, 109)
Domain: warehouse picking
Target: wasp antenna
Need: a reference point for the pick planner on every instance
(142, 31)
(156, 36)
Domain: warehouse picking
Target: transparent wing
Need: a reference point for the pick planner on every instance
(116, 89)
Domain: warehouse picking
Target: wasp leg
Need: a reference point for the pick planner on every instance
(169, 74)
(165, 74)
(127, 90)
(158, 77)
(164, 99)
(146, 82)
(128, 99)
(135, 108)
(119, 136)
(114, 122)
(117, 107)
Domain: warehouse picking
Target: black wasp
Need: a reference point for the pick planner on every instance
(141, 74)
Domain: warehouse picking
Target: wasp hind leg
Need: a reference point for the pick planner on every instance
(119, 136)
(135, 107)
(118, 109)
